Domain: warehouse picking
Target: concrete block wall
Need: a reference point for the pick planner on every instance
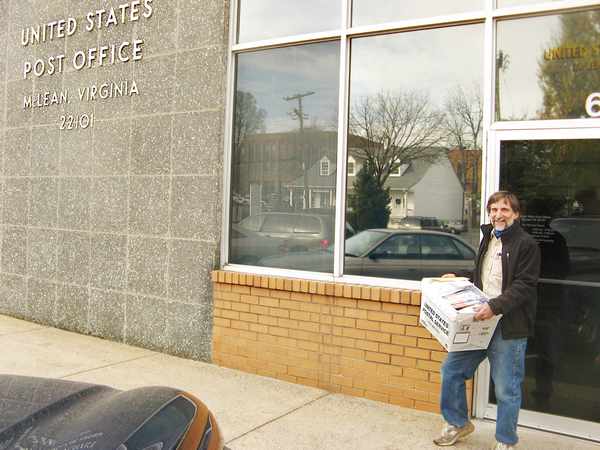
(358, 340)
(113, 230)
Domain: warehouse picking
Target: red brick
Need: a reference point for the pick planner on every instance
(407, 341)
(368, 325)
(370, 305)
(378, 357)
(403, 361)
(378, 337)
(379, 316)
(391, 349)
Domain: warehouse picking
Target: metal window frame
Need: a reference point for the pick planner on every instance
(487, 15)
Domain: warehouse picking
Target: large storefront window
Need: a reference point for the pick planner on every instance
(284, 149)
(265, 19)
(414, 139)
(548, 67)
(367, 12)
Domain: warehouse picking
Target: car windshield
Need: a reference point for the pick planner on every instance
(360, 243)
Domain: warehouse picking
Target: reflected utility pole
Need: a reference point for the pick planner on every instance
(298, 113)
(502, 61)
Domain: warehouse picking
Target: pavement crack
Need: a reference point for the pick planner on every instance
(32, 330)
(92, 369)
(310, 402)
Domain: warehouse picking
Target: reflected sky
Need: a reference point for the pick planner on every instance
(505, 3)
(431, 61)
(271, 75)
(524, 41)
(265, 19)
(367, 12)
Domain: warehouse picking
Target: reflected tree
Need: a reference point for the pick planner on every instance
(248, 118)
(464, 117)
(568, 70)
(463, 124)
(368, 202)
(395, 129)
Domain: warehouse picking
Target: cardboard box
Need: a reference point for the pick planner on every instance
(447, 311)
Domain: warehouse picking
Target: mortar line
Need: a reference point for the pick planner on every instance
(268, 422)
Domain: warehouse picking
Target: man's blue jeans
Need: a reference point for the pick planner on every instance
(507, 362)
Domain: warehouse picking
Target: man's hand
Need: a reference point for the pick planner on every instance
(484, 312)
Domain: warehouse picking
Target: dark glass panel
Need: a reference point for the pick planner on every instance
(558, 185)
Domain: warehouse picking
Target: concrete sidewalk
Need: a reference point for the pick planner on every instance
(255, 413)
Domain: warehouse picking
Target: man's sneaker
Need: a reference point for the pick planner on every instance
(451, 434)
(501, 446)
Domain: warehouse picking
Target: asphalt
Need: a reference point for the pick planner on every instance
(254, 412)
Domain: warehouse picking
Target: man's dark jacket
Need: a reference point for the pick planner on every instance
(520, 273)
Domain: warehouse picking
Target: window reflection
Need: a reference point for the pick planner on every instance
(414, 150)
(558, 184)
(559, 188)
(367, 12)
(284, 156)
(265, 19)
(546, 67)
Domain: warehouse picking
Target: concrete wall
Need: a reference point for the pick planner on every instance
(113, 229)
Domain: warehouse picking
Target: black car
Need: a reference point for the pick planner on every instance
(48, 414)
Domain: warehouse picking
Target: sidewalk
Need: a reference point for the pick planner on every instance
(255, 413)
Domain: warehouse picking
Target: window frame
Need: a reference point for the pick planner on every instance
(487, 15)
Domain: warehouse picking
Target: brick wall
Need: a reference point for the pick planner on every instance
(358, 340)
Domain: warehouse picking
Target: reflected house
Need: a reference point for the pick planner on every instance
(271, 165)
(467, 165)
(419, 188)
(268, 164)
(320, 181)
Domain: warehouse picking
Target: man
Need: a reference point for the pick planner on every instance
(507, 270)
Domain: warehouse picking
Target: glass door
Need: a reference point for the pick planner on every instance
(556, 175)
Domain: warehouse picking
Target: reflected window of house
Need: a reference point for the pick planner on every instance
(351, 166)
(547, 67)
(284, 148)
(266, 19)
(324, 167)
(417, 137)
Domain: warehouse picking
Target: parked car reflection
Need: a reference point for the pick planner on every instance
(46, 414)
(388, 253)
(419, 223)
(281, 233)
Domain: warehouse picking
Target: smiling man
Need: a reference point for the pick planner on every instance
(507, 270)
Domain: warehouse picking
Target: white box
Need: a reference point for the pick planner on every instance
(455, 329)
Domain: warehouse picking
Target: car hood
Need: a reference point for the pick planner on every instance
(40, 414)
